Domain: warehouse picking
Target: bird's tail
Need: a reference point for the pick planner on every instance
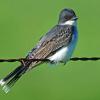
(11, 79)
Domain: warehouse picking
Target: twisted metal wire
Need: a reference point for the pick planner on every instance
(46, 60)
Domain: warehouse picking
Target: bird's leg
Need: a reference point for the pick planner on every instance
(52, 61)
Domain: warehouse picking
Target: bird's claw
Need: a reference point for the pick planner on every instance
(22, 62)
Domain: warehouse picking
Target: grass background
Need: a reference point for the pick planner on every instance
(23, 22)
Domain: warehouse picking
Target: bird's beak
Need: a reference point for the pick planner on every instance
(75, 18)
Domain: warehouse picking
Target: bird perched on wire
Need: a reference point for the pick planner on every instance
(57, 46)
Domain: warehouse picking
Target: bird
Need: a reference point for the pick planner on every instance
(57, 45)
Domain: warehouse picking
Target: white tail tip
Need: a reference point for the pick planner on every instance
(2, 82)
(6, 89)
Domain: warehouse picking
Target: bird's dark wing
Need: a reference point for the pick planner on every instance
(55, 39)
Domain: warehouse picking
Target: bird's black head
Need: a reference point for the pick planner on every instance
(66, 15)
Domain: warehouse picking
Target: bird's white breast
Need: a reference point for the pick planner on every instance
(64, 54)
(60, 55)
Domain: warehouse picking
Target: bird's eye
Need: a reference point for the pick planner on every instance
(66, 17)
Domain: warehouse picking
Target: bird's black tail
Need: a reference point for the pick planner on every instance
(11, 79)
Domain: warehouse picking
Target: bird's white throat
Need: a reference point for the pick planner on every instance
(69, 22)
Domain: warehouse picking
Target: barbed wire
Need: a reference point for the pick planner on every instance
(47, 60)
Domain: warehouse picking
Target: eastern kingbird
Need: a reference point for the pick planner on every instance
(57, 45)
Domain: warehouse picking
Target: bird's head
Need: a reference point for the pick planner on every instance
(67, 17)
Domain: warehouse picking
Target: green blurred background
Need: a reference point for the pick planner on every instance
(23, 22)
